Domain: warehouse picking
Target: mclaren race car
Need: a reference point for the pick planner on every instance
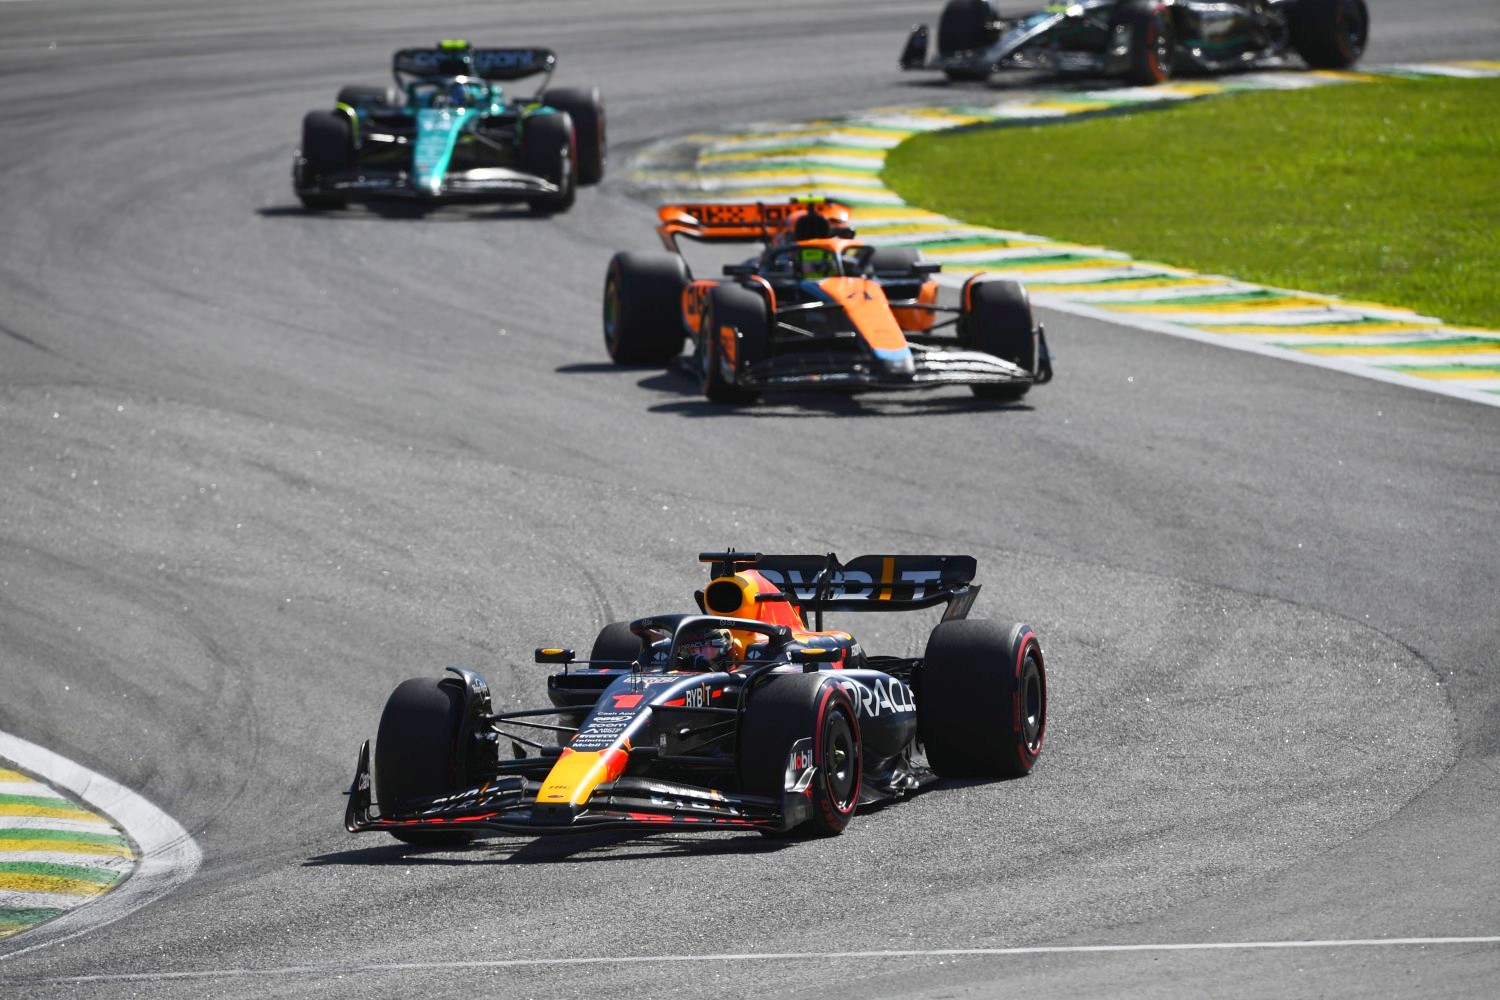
(1143, 41)
(449, 131)
(816, 309)
(740, 717)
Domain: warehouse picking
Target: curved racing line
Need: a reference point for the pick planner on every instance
(843, 158)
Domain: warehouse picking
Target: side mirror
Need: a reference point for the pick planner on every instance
(812, 657)
(554, 654)
(738, 270)
(926, 267)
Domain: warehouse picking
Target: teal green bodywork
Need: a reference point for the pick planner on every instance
(439, 130)
(437, 133)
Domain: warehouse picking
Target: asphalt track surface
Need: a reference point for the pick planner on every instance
(258, 466)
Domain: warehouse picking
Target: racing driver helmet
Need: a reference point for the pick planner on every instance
(817, 263)
(466, 94)
(713, 650)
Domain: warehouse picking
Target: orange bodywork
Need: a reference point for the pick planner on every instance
(765, 289)
(742, 222)
(728, 346)
(863, 299)
(919, 320)
(695, 300)
(750, 584)
(576, 774)
(694, 303)
(747, 585)
(865, 303)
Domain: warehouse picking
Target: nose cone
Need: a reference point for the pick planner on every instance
(553, 814)
(575, 776)
(896, 363)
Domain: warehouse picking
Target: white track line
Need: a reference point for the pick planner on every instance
(783, 956)
(168, 856)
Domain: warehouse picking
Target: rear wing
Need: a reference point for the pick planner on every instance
(742, 222)
(868, 583)
(495, 65)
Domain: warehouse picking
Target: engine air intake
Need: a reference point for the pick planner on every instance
(727, 596)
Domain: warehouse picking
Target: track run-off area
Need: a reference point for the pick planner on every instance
(259, 465)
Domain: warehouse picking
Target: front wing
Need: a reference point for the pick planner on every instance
(479, 184)
(932, 367)
(507, 804)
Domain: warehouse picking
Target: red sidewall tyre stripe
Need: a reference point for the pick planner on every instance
(830, 808)
(1024, 755)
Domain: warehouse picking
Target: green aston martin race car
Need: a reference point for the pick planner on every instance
(449, 131)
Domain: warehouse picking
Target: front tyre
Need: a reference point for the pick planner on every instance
(815, 711)
(327, 149)
(997, 320)
(1152, 44)
(982, 699)
(964, 29)
(420, 752)
(548, 151)
(585, 105)
(1330, 34)
(744, 314)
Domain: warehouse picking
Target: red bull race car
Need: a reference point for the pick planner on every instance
(743, 716)
(816, 309)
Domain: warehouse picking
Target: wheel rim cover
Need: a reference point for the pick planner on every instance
(1032, 707)
(611, 313)
(841, 761)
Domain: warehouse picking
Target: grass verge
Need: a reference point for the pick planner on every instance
(1385, 192)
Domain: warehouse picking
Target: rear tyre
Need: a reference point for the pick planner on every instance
(982, 699)
(616, 642)
(548, 150)
(643, 308)
(963, 28)
(1153, 44)
(1330, 34)
(791, 708)
(746, 312)
(895, 260)
(999, 321)
(327, 148)
(419, 752)
(585, 105)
